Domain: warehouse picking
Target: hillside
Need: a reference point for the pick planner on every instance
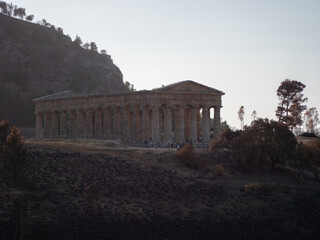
(149, 194)
(37, 60)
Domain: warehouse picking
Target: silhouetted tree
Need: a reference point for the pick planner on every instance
(254, 115)
(59, 30)
(93, 47)
(15, 151)
(103, 51)
(77, 41)
(30, 18)
(86, 45)
(241, 116)
(10, 8)
(3, 6)
(290, 107)
(45, 23)
(4, 130)
(19, 12)
(311, 117)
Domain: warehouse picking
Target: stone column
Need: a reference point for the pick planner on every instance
(125, 115)
(81, 115)
(63, 124)
(205, 125)
(187, 123)
(135, 131)
(181, 136)
(145, 111)
(216, 126)
(72, 128)
(47, 125)
(98, 124)
(138, 124)
(89, 123)
(193, 124)
(199, 125)
(116, 123)
(55, 124)
(107, 123)
(155, 124)
(39, 126)
(167, 124)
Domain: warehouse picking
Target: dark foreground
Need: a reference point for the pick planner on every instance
(149, 194)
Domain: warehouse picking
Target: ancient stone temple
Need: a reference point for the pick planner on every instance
(175, 113)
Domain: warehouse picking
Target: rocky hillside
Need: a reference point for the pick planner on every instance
(37, 60)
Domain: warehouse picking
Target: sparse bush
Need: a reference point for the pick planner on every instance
(91, 195)
(15, 152)
(307, 156)
(4, 130)
(219, 170)
(263, 188)
(264, 144)
(188, 157)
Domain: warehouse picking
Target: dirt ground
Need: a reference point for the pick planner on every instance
(100, 190)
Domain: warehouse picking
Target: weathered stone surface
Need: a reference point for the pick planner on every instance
(168, 114)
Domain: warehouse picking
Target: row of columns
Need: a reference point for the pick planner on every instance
(155, 123)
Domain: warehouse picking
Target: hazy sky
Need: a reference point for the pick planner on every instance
(244, 48)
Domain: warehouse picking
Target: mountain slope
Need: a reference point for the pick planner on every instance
(36, 60)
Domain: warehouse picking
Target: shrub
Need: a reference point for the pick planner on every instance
(91, 195)
(15, 152)
(307, 156)
(263, 144)
(219, 170)
(188, 157)
(4, 130)
(263, 188)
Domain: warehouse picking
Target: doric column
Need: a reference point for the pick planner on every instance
(116, 122)
(89, 123)
(155, 124)
(205, 125)
(125, 129)
(81, 115)
(107, 123)
(181, 136)
(63, 124)
(138, 124)
(167, 123)
(216, 126)
(135, 124)
(144, 127)
(193, 124)
(39, 126)
(98, 124)
(72, 128)
(55, 124)
(187, 123)
(47, 125)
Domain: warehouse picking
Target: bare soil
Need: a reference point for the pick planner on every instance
(143, 193)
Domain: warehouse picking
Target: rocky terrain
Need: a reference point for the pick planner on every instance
(36, 60)
(99, 190)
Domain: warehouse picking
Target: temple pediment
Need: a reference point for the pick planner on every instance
(189, 87)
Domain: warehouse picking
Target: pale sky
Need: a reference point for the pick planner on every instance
(244, 48)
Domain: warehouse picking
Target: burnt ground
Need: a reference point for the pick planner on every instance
(150, 194)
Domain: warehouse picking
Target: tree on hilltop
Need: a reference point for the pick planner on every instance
(29, 18)
(311, 117)
(241, 116)
(19, 12)
(3, 6)
(291, 99)
(93, 47)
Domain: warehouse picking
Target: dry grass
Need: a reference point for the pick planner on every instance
(263, 188)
